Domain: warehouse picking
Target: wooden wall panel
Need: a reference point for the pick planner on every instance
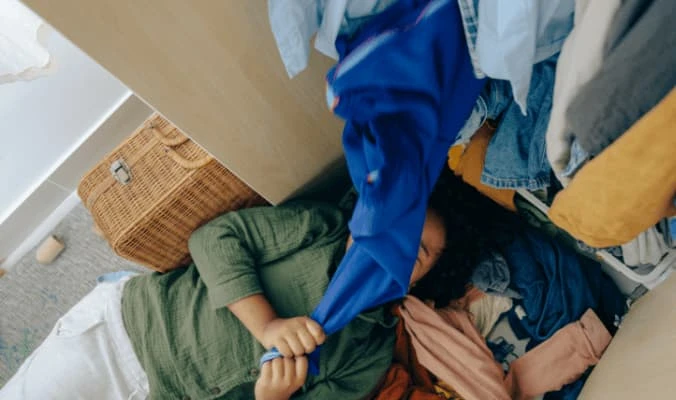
(213, 69)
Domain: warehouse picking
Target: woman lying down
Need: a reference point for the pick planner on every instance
(199, 332)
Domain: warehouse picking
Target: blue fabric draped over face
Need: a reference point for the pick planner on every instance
(405, 87)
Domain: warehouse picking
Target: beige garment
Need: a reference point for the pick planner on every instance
(448, 344)
(560, 360)
(487, 310)
(406, 378)
(580, 58)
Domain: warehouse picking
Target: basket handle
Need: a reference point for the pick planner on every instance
(184, 162)
(164, 139)
(170, 143)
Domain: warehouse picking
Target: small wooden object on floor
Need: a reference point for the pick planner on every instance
(49, 250)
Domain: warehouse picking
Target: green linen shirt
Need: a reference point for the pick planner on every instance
(192, 347)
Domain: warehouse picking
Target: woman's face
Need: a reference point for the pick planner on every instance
(431, 245)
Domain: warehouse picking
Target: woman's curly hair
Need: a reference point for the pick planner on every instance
(475, 225)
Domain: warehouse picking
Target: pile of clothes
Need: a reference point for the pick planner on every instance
(579, 106)
(576, 89)
(572, 98)
(535, 319)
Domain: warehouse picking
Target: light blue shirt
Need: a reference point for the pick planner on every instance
(513, 35)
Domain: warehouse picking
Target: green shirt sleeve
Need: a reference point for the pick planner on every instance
(229, 250)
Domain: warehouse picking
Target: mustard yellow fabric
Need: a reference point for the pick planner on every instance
(629, 187)
(468, 162)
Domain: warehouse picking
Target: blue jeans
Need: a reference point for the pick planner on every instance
(516, 156)
(578, 157)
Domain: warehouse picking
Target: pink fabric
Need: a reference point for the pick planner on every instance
(560, 360)
(449, 345)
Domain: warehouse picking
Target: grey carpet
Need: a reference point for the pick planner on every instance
(33, 296)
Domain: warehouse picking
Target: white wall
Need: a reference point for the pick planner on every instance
(52, 131)
(44, 208)
(44, 120)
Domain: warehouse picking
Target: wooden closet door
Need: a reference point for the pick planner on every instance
(212, 68)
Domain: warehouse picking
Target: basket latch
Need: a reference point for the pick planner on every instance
(121, 171)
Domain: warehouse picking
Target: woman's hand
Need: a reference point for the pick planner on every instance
(293, 336)
(281, 378)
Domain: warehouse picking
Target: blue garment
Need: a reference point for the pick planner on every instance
(517, 155)
(492, 276)
(557, 286)
(115, 276)
(503, 352)
(510, 37)
(476, 119)
(470, 21)
(404, 86)
(570, 391)
(578, 157)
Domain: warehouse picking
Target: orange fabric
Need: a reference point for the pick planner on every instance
(455, 155)
(398, 385)
(406, 378)
(628, 188)
(471, 163)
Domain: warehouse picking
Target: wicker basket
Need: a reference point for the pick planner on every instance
(154, 190)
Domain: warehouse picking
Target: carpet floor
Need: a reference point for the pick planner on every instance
(34, 296)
